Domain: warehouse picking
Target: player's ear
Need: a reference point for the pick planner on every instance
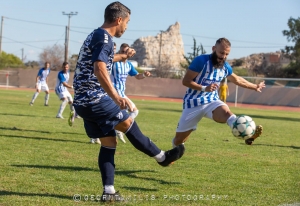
(213, 48)
(119, 20)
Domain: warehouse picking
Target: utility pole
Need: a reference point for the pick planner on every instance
(68, 33)
(66, 45)
(2, 18)
(160, 48)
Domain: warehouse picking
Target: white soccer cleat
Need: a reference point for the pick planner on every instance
(71, 118)
(120, 136)
(97, 140)
(59, 116)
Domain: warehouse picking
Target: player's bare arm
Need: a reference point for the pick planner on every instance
(143, 75)
(103, 77)
(240, 81)
(188, 82)
(67, 85)
(122, 57)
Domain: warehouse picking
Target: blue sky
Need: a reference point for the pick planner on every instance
(252, 26)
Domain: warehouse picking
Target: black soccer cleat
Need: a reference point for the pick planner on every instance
(116, 197)
(257, 133)
(173, 155)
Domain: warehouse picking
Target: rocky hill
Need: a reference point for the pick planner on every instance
(166, 48)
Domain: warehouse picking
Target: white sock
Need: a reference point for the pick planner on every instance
(47, 98)
(34, 97)
(230, 120)
(160, 157)
(134, 114)
(62, 107)
(109, 189)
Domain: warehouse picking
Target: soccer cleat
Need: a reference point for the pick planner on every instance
(257, 133)
(172, 155)
(92, 141)
(116, 197)
(97, 140)
(120, 136)
(59, 116)
(30, 103)
(71, 118)
(46, 105)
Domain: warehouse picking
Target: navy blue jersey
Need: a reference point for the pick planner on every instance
(207, 75)
(98, 46)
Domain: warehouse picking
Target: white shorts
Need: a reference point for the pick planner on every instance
(42, 86)
(65, 94)
(191, 116)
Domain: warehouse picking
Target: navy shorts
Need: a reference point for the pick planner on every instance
(101, 118)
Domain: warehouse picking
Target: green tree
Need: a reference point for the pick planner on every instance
(191, 56)
(293, 52)
(10, 60)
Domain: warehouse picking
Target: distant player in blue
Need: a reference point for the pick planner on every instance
(203, 78)
(62, 91)
(121, 70)
(41, 83)
(100, 105)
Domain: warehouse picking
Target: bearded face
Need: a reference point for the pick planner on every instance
(217, 61)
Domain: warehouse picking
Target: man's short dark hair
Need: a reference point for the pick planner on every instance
(114, 11)
(223, 41)
(65, 63)
(124, 45)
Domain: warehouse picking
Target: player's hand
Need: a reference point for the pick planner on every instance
(147, 74)
(130, 52)
(260, 86)
(124, 103)
(212, 87)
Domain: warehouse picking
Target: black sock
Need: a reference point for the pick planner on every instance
(106, 162)
(141, 142)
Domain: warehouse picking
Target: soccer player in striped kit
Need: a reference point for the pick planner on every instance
(41, 83)
(102, 108)
(203, 79)
(119, 74)
(63, 93)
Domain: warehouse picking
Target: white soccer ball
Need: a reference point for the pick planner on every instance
(243, 127)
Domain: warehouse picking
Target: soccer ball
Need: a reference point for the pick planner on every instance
(243, 127)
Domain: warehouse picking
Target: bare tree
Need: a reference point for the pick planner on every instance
(53, 54)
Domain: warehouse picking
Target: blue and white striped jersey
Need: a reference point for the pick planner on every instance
(119, 75)
(207, 75)
(42, 74)
(62, 77)
(98, 46)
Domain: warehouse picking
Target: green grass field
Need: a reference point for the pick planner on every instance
(46, 162)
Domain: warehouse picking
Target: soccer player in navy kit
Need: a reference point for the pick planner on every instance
(41, 83)
(203, 78)
(101, 107)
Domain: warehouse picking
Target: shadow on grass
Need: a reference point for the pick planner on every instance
(127, 173)
(273, 117)
(273, 145)
(132, 174)
(30, 130)
(63, 168)
(140, 189)
(22, 115)
(42, 138)
(6, 193)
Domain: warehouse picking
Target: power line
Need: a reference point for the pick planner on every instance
(21, 43)
(35, 41)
